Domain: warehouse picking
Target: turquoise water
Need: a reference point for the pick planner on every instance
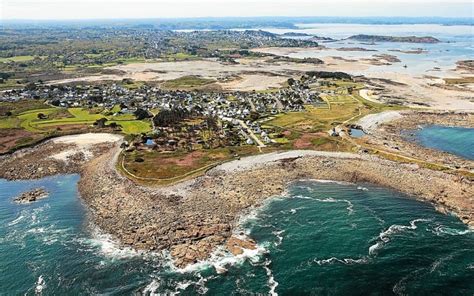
(357, 133)
(456, 140)
(320, 239)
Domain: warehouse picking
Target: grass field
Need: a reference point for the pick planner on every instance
(17, 59)
(27, 118)
(187, 82)
(164, 168)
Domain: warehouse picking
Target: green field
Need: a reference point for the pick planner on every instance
(187, 82)
(57, 117)
(17, 59)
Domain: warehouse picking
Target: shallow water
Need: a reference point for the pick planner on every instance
(455, 140)
(320, 238)
(457, 44)
(357, 133)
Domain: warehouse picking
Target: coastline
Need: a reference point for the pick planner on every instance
(193, 218)
(203, 217)
(388, 130)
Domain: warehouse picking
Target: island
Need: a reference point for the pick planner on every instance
(404, 39)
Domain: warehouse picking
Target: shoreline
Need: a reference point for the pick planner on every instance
(389, 131)
(193, 224)
(194, 217)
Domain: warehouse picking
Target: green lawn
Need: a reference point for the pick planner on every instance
(133, 126)
(17, 59)
(9, 122)
(60, 116)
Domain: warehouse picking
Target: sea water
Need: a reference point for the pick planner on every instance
(456, 44)
(320, 238)
(455, 140)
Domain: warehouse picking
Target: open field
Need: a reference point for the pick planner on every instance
(57, 117)
(165, 168)
(17, 59)
(32, 121)
(342, 107)
(187, 83)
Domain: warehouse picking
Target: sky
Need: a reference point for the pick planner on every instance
(110, 9)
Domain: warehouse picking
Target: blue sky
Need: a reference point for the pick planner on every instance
(90, 9)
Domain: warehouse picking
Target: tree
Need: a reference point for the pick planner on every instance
(170, 117)
(141, 114)
(211, 122)
(100, 123)
(41, 116)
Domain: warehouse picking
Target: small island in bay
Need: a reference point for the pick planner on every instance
(404, 39)
(31, 196)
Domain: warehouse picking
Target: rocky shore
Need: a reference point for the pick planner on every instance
(56, 156)
(204, 214)
(193, 218)
(390, 130)
(31, 196)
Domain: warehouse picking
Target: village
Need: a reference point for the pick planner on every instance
(187, 120)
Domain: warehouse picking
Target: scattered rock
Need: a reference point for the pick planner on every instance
(32, 196)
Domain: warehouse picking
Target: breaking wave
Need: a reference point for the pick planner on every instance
(345, 261)
(384, 236)
(444, 230)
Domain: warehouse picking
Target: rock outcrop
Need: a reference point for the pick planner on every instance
(31, 196)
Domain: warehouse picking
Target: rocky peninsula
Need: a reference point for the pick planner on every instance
(192, 218)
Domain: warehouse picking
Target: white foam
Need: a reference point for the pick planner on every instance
(345, 261)
(272, 283)
(109, 247)
(375, 247)
(40, 285)
(330, 181)
(17, 220)
(221, 258)
(202, 289)
(278, 234)
(151, 288)
(384, 236)
(350, 205)
(440, 230)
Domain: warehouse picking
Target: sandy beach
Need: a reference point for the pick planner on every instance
(388, 86)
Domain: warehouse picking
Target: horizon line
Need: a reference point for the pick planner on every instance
(235, 17)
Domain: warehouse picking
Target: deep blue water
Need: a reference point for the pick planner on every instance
(320, 239)
(455, 140)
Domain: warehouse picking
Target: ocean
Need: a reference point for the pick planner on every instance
(455, 140)
(438, 59)
(319, 238)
